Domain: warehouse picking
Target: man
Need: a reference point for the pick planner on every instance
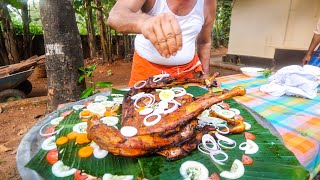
(169, 33)
(315, 60)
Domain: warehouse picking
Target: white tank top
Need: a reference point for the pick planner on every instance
(190, 24)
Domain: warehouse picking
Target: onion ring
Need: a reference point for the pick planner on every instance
(146, 123)
(181, 91)
(223, 138)
(208, 138)
(141, 86)
(241, 146)
(222, 125)
(173, 108)
(159, 77)
(213, 153)
(150, 96)
(49, 134)
(227, 147)
(134, 97)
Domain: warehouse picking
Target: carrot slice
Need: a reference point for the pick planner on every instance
(246, 160)
(72, 135)
(82, 138)
(109, 113)
(85, 113)
(61, 140)
(249, 136)
(85, 151)
(115, 108)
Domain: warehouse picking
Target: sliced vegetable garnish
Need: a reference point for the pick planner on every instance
(236, 111)
(247, 126)
(110, 113)
(238, 117)
(72, 135)
(179, 91)
(145, 111)
(78, 175)
(225, 106)
(85, 114)
(215, 108)
(173, 108)
(100, 98)
(151, 123)
(236, 171)
(110, 120)
(226, 113)
(60, 170)
(246, 160)
(49, 131)
(85, 152)
(99, 153)
(250, 147)
(209, 143)
(134, 97)
(118, 100)
(194, 170)
(97, 108)
(128, 131)
(115, 177)
(65, 114)
(62, 140)
(82, 138)
(219, 161)
(226, 140)
(166, 95)
(49, 143)
(159, 77)
(214, 176)
(56, 121)
(52, 156)
(150, 97)
(249, 136)
(140, 84)
(80, 127)
(78, 107)
(226, 128)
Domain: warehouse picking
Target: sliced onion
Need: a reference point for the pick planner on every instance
(180, 91)
(100, 98)
(94, 145)
(150, 103)
(215, 108)
(162, 105)
(110, 120)
(118, 100)
(49, 134)
(134, 97)
(145, 111)
(108, 104)
(136, 85)
(158, 111)
(247, 126)
(227, 147)
(56, 121)
(223, 138)
(78, 107)
(122, 177)
(190, 94)
(117, 95)
(219, 161)
(49, 143)
(80, 127)
(208, 138)
(222, 125)
(99, 153)
(60, 170)
(97, 108)
(159, 77)
(173, 108)
(128, 131)
(243, 146)
(202, 149)
(236, 111)
(151, 123)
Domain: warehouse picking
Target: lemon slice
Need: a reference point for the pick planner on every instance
(166, 95)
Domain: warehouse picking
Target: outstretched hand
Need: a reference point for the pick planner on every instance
(164, 33)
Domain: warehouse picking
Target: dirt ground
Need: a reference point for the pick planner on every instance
(19, 116)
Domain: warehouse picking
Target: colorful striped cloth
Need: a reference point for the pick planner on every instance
(296, 119)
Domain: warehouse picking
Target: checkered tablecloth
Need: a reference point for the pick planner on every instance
(296, 119)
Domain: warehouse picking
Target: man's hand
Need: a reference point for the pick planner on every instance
(164, 33)
(306, 59)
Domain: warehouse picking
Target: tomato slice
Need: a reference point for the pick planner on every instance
(225, 106)
(246, 160)
(65, 114)
(214, 176)
(50, 129)
(78, 175)
(238, 117)
(249, 136)
(52, 156)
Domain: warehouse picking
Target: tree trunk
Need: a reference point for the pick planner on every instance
(9, 35)
(64, 54)
(102, 29)
(3, 53)
(90, 29)
(26, 30)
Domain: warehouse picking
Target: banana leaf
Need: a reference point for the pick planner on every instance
(272, 161)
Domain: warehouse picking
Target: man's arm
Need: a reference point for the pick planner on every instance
(204, 38)
(314, 43)
(163, 30)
